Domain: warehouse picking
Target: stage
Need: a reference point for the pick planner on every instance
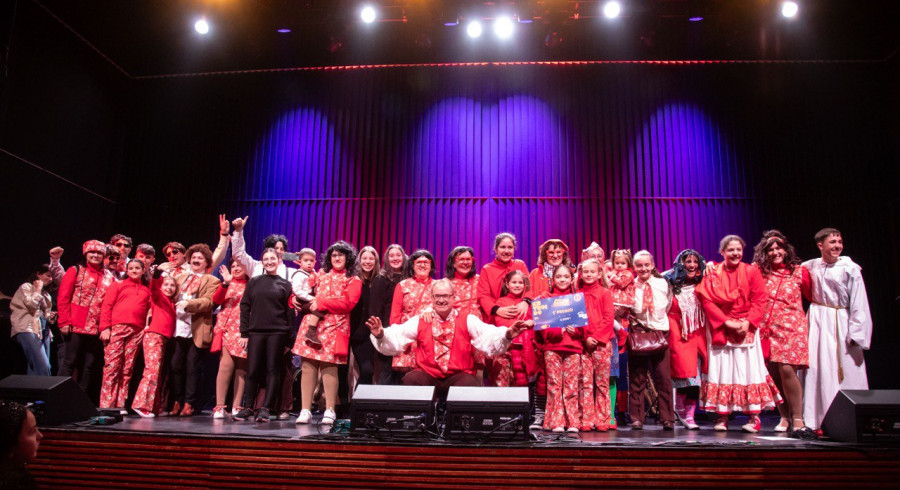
(200, 452)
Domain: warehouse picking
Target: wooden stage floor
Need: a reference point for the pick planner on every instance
(200, 452)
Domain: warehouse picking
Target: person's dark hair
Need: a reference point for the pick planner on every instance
(41, 269)
(272, 239)
(450, 267)
(12, 419)
(677, 276)
(386, 271)
(231, 263)
(118, 236)
(145, 275)
(567, 268)
(203, 249)
(344, 248)
(824, 233)
(731, 238)
(761, 252)
(176, 245)
(112, 251)
(504, 289)
(502, 236)
(147, 249)
(410, 264)
(363, 275)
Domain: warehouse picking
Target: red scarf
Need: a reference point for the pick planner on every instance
(442, 331)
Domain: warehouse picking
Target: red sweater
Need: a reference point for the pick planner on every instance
(126, 302)
(162, 321)
(557, 339)
(601, 312)
(746, 298)
(491, 280)
(523, 344)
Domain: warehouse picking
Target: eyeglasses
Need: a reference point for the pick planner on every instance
(441, 296)
(422, 262)
(173, 252)
(122, 245)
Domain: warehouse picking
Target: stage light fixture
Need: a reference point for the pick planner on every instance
(611, 10)
(695, 19)
(201, 26)
(474, 29)
(284, 30)
(789, 9)
(368, 14)
(503, 27)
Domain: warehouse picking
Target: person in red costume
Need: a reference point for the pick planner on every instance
(412, 296)
(551, 255)
(233, 356)
(518, 366)
(596, 406)
(123, 317)
(81, 294)
(562, 348)
(446, 341)
(733, 296)
(491, 280)
(163, 291)
(784, 328)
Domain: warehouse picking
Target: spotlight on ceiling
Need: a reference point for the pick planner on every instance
(789, 9)
(284, 30)
(201, 26)
(503, 27)
(368, 14)
(474, 29)
(611, 10)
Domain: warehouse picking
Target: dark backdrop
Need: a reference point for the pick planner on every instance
(658, 156)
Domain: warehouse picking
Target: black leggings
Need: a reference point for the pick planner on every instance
(265, 352)
(364, 352)
(84, 356)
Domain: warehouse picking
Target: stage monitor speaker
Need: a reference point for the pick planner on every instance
(55, 400)
(390, 410)
(487, 412)
(864, 416)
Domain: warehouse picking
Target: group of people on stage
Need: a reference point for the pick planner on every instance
(725, 336)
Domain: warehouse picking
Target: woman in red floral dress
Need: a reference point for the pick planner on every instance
(412, 296)
(233, 360)
(783, 328)
(337, 292)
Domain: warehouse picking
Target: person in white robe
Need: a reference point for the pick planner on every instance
(840, 328)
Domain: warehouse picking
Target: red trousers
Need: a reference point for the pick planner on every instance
(119, 363)
(563, 383)
(595, 403)
(147, 396)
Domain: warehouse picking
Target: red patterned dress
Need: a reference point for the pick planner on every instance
(411, 297)
(229, 319)
(465, 300)
(337, 294)
(784, 322)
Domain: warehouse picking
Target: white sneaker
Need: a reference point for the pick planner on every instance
(329, 417)
(219, 413)
(572, 429)
(538, 423)
(304, 417)
(123, 412)
(559, 429)
(146, 415)
(284, 416)
(235, 411)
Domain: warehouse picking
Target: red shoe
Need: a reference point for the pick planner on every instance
(586, 428)
(187, 411)
(614, 425)
(176, 410)
(752, 426)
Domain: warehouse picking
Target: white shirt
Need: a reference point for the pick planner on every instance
(252, 266)
(183, 318)
(489, 339)
(657, 319)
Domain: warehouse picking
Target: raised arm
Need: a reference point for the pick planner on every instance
(394, 339)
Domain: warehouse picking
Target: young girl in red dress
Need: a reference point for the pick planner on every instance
(163, 291)
(233, 357)
(562, 362)
(620, 279)
(122, 320)
(598, 349)
(518, 366)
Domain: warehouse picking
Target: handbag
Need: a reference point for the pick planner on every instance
(643, 341)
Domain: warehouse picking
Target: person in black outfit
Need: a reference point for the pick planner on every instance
(363, 350)
(266, 321)
(381, 296)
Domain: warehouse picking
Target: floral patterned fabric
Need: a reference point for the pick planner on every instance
(563, 383)
(147, 397)
(90, 289)
(229, 320)
(595, 403)
(334, 330)
(416, 298)
(784, 323)
(119, 363)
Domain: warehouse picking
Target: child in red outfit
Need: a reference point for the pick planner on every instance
(163, 291)
(518, 366)
(620, 279)
(562, 363)
(122, 319)
(598, 348)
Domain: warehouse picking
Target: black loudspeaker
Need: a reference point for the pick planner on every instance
(488, 412)
(864, 416)
(55, 400)
(392, 410)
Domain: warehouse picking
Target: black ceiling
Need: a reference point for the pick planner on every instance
(156, 37)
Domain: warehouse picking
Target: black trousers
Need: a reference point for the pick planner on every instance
(417, 377)
(364, 353)
(185, 371)
(84, 356)
(265, 354)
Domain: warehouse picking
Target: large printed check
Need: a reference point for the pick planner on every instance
(559, 311)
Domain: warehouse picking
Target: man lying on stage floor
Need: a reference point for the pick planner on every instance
(447, 341)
